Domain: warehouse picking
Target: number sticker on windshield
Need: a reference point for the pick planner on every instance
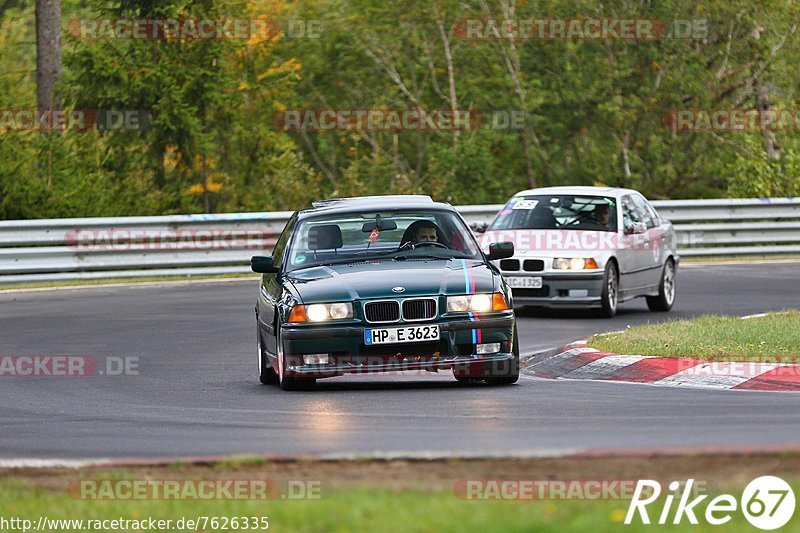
(526, 204)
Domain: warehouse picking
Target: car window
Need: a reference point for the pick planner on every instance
(644, 210)
(283, 238)
(629, 213)
(653, 213)
(580, 212)
(364, 236)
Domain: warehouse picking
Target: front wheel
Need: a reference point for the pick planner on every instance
(266, 374)
(609, 296)
(666, 290)
(509, 373)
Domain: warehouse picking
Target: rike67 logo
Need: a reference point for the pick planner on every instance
(767, 503)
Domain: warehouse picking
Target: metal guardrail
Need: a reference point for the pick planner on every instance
(759, 227)
(88, 248)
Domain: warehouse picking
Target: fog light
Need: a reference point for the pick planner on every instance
(492, 347)
(316, 359)
(579, 293)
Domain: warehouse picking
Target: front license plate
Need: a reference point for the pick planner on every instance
(524, 282)
(395, 335)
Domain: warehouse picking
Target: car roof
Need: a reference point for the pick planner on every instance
(375, 203)
(614, 192)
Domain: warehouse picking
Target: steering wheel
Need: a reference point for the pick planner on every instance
(406, 245)
(581, 217)
(431, 243)
(409, 245)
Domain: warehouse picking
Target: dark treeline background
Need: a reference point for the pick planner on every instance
(594, 109)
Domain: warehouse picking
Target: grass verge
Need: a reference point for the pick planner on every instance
(396, 495)
(774, 337)
(363, 509)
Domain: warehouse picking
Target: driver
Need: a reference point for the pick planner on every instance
(421, 231)
(425, 234)
(602, 214)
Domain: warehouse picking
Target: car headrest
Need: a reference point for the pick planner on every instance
(542, 217)
(325, 237)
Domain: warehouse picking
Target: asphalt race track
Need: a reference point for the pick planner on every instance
(196, 392)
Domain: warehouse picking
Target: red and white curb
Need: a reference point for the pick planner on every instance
(578, 361)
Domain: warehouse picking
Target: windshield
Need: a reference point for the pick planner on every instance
(349, 237)
(598, 213)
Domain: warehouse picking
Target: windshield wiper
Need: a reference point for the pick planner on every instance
(345, 260)
(421, 256)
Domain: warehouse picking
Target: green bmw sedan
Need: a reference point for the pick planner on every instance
(383, 284)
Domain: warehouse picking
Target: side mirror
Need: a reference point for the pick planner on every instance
(479, 227)
(636, 228)
(500, 250)
(263, 264)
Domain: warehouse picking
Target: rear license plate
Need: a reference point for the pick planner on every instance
(396, 335)
(524, 282)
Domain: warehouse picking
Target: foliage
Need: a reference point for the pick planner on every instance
(595, 111)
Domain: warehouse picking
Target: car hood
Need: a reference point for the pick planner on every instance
(376, 279)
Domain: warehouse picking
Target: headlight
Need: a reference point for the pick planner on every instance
(574, 263)
(340, 311)
(317, 312)
(479, 303)
(321, 312)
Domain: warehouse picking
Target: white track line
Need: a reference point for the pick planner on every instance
(165, 283)
(50, 463)
(424, 455)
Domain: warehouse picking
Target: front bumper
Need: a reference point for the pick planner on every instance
(326, 332)
(349, 354)
(570, 290)
(470, 366)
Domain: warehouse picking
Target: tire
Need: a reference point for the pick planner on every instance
(609, 296)
(666, 289)
(510, 373)
(463, 374)
(266, 374)
(290, 383)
